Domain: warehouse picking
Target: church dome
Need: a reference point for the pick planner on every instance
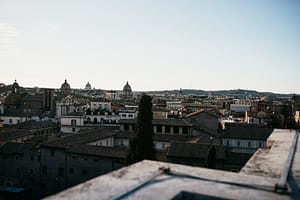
(127, 89)
(65, 85)
(15, 86)
(14, 98)
(88, 86)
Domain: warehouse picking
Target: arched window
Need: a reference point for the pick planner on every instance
(88, 120)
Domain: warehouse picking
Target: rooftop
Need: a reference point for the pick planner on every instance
(195, 150)
(13, 134)
(32, 124)
(171, 122)
(272, 161)
(254, 133)
(160, 137)
(98, 151)
(145, 180)
(81, 138)
(159, 180)
(202, 111)
(13, 148)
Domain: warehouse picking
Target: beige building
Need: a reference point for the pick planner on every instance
(160, 113)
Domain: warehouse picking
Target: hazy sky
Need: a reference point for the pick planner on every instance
(152, 44)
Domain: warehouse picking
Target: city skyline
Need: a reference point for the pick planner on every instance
(155, 45)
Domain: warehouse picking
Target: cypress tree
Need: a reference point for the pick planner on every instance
(141, 145)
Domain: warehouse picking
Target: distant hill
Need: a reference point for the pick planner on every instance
(237, 93)
(230, 93)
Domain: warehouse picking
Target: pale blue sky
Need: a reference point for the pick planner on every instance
(155, 45)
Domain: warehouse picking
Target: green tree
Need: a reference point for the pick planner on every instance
(141, 144)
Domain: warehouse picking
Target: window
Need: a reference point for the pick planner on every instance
(175, 129)
(73, 122)
(44, 170)
(167, 129)
(227, 143)
(238, 143)
(17, 157)
(126, 127)
(163, 146)
(259, 144)
(61, 172)
(10, 121)
(88, 120)
(249, 144)
(31, 157)
(185, 130)
(73, 129)
(71, 170)
(31, 171)
(158, 128)
(95, 120)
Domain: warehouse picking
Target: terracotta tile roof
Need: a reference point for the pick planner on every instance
(31, 124)
(81, 138)
(194, 150)
(202, 111)
(13, 134)
(251, 133)
(159, 137)
(170, 122)
(93, 150)
(15, 148)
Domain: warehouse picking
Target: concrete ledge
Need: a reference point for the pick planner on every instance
(168, 186)
(256, 180)
(272, 161)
